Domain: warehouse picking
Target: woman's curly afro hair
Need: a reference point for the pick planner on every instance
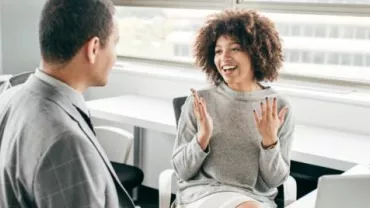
(256, 35)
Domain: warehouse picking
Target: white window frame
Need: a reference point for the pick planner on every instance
(276, 7)
(307, 8)
(189, 4)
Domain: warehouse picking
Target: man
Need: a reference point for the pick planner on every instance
(49, 155)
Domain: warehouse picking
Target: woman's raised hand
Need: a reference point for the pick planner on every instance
(270, 121)
(204, 120)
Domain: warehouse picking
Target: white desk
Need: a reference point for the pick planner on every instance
(312, 145)
(309, 200)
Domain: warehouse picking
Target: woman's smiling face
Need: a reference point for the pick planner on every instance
(232, 62)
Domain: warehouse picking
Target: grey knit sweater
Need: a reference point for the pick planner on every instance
(235, 159)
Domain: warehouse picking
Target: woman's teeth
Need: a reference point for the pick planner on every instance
(228, 68)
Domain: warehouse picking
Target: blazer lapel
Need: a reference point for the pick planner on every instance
(74, 114)
(50, 93)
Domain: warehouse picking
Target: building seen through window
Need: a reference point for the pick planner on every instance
(314, 45)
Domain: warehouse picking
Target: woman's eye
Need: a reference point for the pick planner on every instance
(217, 51)
(236, 49)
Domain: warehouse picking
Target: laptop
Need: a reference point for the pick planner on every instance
(343, 191)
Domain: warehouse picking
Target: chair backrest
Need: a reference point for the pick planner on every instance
(4, 82)
(116, 142)
(177, 105)
(19, 78)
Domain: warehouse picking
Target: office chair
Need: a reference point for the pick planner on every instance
(289, 188)
(117, 144)
(19, 78)
(4, 82)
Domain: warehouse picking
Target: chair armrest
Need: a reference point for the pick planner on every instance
(165, 185)
(290, 191)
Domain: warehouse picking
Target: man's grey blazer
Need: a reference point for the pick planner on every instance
(49, 157)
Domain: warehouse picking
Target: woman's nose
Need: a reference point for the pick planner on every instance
(226, 56)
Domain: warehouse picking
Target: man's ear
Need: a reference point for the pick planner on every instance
(93, 46)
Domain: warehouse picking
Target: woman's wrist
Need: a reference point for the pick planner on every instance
(203, 141)
(268, 143)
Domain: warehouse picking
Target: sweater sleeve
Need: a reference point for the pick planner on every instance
(275, 163)
(188, 156)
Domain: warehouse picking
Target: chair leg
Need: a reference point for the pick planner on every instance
(135, 193)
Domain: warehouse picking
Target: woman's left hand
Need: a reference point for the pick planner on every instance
(270, 121)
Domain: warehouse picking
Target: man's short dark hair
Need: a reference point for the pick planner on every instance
(66, 25)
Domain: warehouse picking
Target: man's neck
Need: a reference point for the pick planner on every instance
(67, 75)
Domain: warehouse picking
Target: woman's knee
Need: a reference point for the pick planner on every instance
(249, 204)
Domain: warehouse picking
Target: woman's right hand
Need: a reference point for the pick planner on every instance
(204, 119)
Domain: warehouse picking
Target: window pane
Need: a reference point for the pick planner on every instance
(345, 59)
(318, 57)
(368, 60)
(295, 30)
(361, 33)
(306, 57)
(294, 56)
(308, 30)
(333, 31)
(314, 45)
(333, 58)
(358, 59)
(158, 33)
(320, 31)
(330, 46)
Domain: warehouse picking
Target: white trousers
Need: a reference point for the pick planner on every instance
(219, 200)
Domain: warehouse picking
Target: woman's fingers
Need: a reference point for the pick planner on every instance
(202, 109)
(263, 111)
(274, 107)
(268, 108)
(204, 104)
(256, 118)
(195, 93)
(195, 109)
(197, 104)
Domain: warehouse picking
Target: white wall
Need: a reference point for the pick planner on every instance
(157, 150)
(19, 35)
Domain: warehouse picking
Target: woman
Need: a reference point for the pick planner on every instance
(234, 139)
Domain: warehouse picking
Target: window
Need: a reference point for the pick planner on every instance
(323, 42)
(361, 33)
(295, 30)
(182, 50)
(308, 30)
(158, 33)
(358, 59)
(333, 31)
(320, 30)
(333, 58)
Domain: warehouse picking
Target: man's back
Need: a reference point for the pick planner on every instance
(49, 154)
(46, 157)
